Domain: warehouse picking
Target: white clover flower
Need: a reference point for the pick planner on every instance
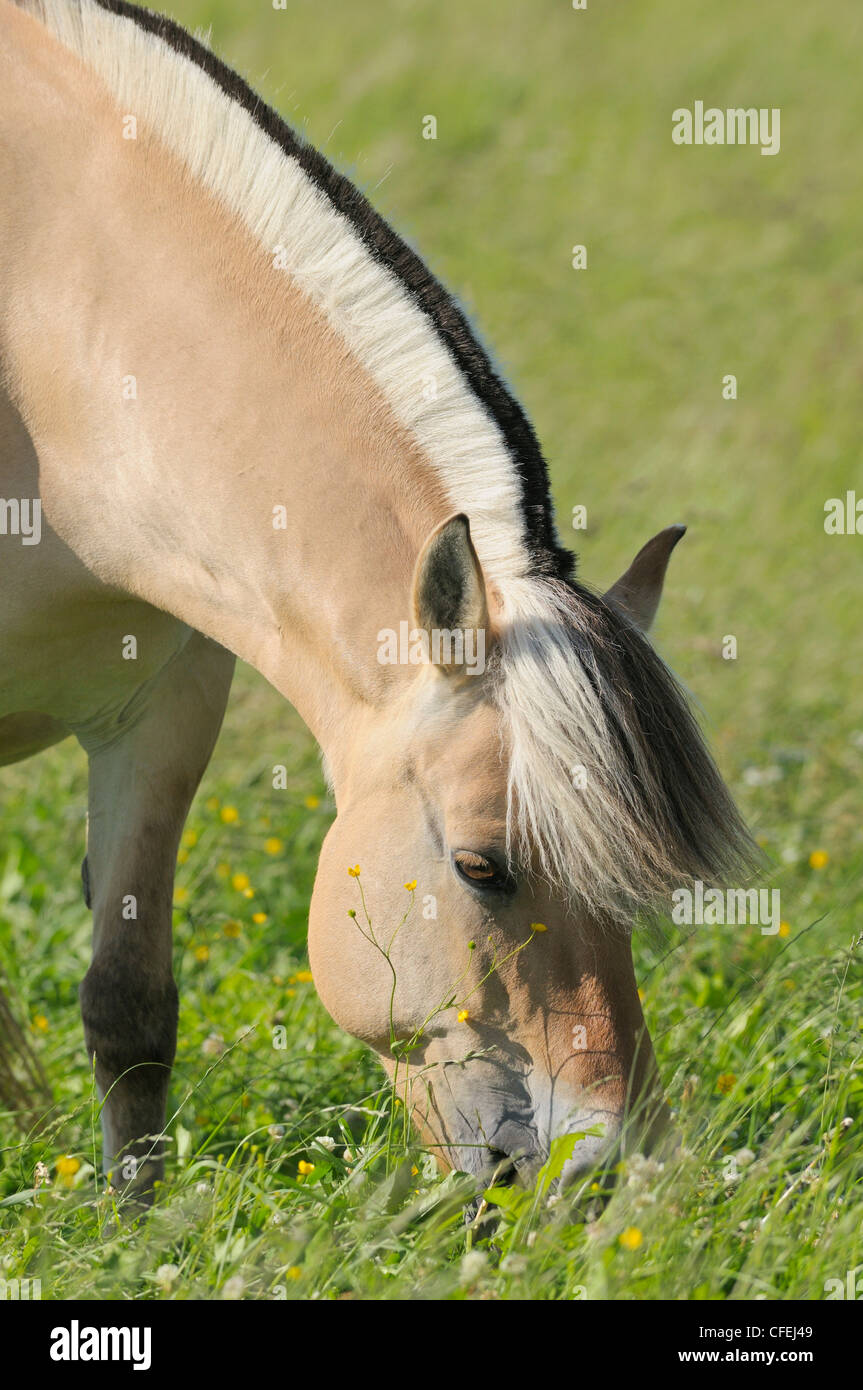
(473, 1266)
(234, 1288)
(165, 1275)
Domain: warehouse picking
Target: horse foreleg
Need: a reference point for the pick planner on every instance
(141, 786)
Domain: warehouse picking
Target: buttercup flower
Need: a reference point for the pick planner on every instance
(229, 814)
(259, 918)
(240, 882)
(232, 930)
(819, 859)
(463, 1016)
(631, 1238)
(355, 871)
(411, 886)
(273, 845)
(304, 1168)
(726, 1083)
(538, 926)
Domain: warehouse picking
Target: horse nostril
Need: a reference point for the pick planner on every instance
(500, 1168)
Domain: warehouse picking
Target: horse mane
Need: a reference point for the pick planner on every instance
(577, 685)
(402, 324)
(611, 786)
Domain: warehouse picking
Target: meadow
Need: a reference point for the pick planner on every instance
(293, 1174)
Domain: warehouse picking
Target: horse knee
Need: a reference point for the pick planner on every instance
(129, 1023)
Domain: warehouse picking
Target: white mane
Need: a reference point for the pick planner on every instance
(225, 150)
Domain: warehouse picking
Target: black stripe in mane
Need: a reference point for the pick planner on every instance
(546, 555)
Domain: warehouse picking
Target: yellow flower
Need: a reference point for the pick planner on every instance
(229, 814)
(726, 1083)
(411, 886)
(784, 929)
(190, 838)
(182, 856)
(414, 1171)
(290, 993)
(273, 845)
(312, 803)
(305, 1168)
(355, 871)
(40, 1023)
(641, 996)
(819, 859)
(464, 1015)
(248, 892)
(223, 870)
(259, 918)
(538, 926)
(304, 977)
(240, 882)
(180, 895)
(202, 954)
(212, 803)
(294, 1272)
(232, 929)
(68, 1167)
(631, 1238)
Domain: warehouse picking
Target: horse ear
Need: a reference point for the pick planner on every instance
(637, 593)
(449, 596)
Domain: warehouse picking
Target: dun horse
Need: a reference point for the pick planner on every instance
(240, 418)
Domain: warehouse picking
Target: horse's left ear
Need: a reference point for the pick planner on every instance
(449, 596)
(637, 593)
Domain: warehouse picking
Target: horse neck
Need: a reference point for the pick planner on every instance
(206, 442)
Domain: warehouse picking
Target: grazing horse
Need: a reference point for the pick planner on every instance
(240, 418)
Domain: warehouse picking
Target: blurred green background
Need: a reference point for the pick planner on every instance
(553, 129)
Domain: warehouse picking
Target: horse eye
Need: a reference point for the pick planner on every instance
(479, 870)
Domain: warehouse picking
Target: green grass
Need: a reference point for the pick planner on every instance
(553, 128)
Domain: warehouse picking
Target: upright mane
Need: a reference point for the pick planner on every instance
(611, 786)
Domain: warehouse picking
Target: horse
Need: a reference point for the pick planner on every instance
(242, 419)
